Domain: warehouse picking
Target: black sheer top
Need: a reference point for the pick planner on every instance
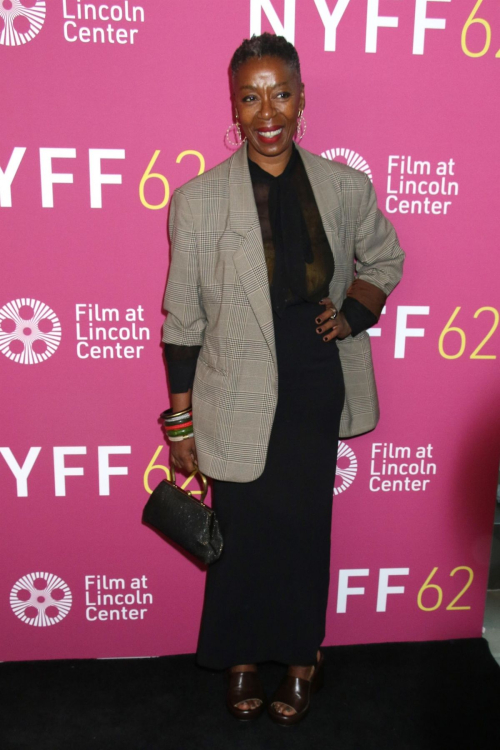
(299, 259)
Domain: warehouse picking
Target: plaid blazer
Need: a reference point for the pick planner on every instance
(217, 296)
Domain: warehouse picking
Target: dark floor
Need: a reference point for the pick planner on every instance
(408, 696)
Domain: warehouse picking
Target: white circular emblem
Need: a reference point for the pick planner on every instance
(353, 159)
(30, 331)
(347, 474)
(40, 599)
(21, 21)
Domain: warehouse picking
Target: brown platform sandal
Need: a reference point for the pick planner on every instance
(296, 692)
(244, 686)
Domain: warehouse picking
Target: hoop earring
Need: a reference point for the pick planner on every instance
(301, 127)
(240, 139)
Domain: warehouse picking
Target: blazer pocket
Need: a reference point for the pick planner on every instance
(211, 366)
(213, 351)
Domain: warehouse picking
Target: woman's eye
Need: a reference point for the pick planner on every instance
(284, 94)
(249, 98)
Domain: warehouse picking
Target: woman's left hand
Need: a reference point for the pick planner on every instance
(329, 327)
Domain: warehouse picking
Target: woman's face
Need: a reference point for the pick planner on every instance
(268, 96)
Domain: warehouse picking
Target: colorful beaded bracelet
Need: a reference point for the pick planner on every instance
(178, 426)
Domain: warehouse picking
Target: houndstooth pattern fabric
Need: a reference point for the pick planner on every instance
(217, 297)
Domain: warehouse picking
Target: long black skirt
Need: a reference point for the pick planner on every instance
(266, 596)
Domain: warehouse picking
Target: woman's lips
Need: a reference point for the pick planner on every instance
(269, 135)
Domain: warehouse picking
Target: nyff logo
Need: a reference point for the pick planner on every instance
(352, 159)
(40, 599)
(30, 331)
(20, 21)
(347, 468)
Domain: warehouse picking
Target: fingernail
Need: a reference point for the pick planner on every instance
(325, 338)
(318, 320)
(319, 330)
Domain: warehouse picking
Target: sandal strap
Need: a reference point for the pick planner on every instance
(245, 686)
(294, 692)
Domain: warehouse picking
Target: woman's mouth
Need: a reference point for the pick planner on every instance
(269, 135)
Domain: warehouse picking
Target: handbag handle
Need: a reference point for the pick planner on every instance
(204, 484)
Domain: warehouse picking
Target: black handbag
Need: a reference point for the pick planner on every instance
(184, 519)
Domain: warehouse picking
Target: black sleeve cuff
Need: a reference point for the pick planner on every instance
(359, 317)
(181, 366)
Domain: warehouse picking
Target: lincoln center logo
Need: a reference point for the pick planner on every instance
(20, 21)
(40, 599)
(347, 468)
(30, 331)
(352, 159)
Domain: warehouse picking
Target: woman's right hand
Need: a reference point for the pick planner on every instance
(183, 456)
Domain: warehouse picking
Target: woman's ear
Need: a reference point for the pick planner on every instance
(302, 97)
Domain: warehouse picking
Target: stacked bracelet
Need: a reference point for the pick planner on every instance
(178, 426)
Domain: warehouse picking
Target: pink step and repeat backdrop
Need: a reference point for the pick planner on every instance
(106, 109)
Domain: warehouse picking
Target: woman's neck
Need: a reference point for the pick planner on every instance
(275, 165)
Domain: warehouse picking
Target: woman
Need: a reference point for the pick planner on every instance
(266, 335)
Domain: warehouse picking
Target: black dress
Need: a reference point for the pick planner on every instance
(266, 596)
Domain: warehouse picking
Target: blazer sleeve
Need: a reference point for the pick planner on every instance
(186, 320)
(379, 257)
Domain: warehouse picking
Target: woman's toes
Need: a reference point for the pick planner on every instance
(283, 708)
(249, 705)
(254, 703)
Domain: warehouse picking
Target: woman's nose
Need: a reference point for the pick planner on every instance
(266, 109)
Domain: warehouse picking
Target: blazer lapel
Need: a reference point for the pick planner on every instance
(249, 258)
(327, 200)
(324, 184)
